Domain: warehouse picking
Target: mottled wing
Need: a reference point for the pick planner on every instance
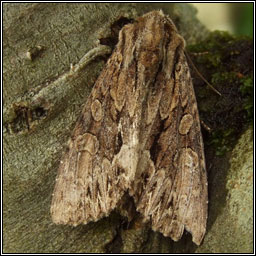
(170, 186)
(102, 154)
(139, 132)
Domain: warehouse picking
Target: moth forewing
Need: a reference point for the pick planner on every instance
(139, 133)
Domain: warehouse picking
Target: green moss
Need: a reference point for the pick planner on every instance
(221, 140)
(226, 61)
(246, 89)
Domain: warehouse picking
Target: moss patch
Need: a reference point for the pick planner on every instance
(225, 61)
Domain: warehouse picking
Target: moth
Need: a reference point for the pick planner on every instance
(139, 133)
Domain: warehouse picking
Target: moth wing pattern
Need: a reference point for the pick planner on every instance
(170, 187)
(139, 132)
(97, 167)
(173, 191)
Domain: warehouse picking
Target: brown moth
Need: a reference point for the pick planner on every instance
(139, 133)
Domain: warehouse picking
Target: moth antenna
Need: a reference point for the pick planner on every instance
(200, 75)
